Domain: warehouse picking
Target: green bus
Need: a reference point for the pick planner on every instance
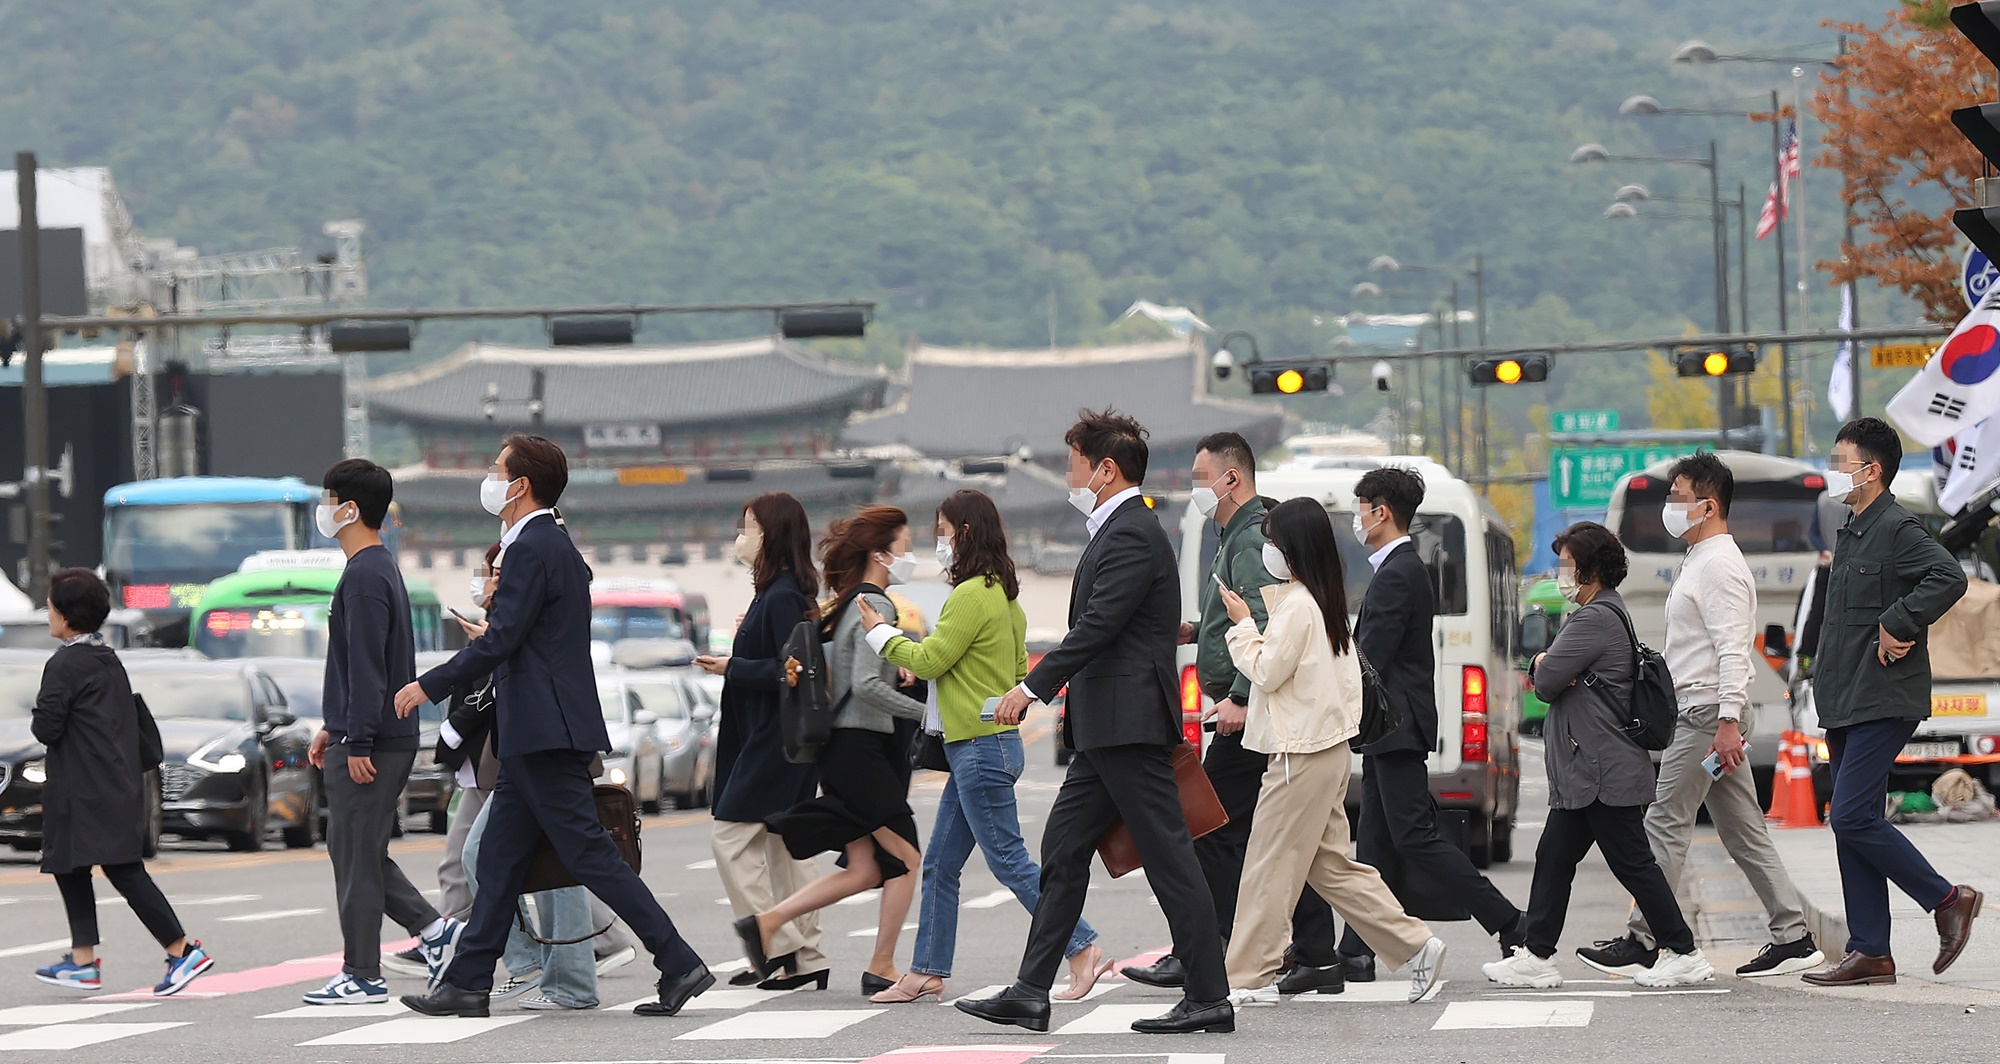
(276, 607)
(1542, 610)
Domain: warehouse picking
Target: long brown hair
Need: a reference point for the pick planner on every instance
(787, 545)
(978, 541)
(844, 551)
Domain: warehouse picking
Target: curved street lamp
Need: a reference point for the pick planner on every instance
(1700, 51)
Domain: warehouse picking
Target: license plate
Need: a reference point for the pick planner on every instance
(1928, 751)
(1958, 705)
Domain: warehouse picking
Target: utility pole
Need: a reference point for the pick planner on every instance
(1780, 188)
(1483, 470)
(34, 396)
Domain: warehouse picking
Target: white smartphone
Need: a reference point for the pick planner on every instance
(1713, 763)
(990, 711)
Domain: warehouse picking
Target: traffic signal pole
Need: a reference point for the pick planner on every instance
(34, 395)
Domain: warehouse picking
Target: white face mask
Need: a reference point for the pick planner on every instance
(1566, 584)
(324, 521)
(1085, 498)
(944, 555)
(747, 546)
(902, 567)
(1274, 562)
(493, 495)
(1840, 485)
(1362, 528)
(1206, 499)
(1675, 516)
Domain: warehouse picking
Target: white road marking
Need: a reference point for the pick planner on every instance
(701, 865)
(869, 932)
(417, 1030)
(729, 1000)
(34, 947)
(271, 914)
(64, 1036)
(1604, 993)
(217, 899)
(382, 1009)
(1112, 1019)
(866, 897)
(990, 901)
(1500, 1015)
(1391, 990)
(23, 1015)
(809, 1023)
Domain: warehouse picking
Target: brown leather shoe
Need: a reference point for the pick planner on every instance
(1856, 969)
(1954, 924)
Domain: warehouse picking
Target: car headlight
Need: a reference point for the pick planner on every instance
(616, 774)
(227, 764)
(36, 771)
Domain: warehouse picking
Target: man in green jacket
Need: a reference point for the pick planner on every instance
(1890, 581)
(1225, 490)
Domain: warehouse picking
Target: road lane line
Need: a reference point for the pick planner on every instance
(34, 947)
(418, 1030)
(763, 1026)
(990, 901)
(272, 914)
(699, 866)
(26, 1015)
(869, 932)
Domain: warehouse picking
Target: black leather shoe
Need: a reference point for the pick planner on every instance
(1014, 1005)
(753, 946)
(677, 992)
(1357, 969)
(751, 977)
(448, 1000)
(794, 980)
(1165, 972)
(1189, 1017)
(1306, 979)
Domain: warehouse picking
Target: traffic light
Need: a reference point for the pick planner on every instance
(1717, 362)
(1287, 380)
(1521, 369)
(1980, 23)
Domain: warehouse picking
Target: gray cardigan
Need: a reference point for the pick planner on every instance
(1589, 758)
(856, 668)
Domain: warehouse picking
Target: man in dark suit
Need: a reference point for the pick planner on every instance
(1398, 833)
(1123, 721)
(549, 728)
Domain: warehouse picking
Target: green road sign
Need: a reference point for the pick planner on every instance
(1566, 422)
(1582, 477)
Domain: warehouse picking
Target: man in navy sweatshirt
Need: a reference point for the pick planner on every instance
(365, 751)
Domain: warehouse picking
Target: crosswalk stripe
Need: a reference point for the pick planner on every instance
(731, 999)
(869, 932)
(1102, 988)
(1111, 1019)
(65, 1036)
(866, 897)
(808, 1023)
(974, 1054)
(699, 866)
(34, 947)
(990, 901)
(325, 1012)
(417, 1030)
(1502, 1015)
(271, 914)
(23, 1015)
(1606, 993)
(1388, 990)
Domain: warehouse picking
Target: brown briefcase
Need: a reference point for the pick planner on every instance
(1199, 805)
(618, 811)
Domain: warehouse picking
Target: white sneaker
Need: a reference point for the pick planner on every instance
(516, 985)
(1425, 967)
(345, 989)
(541, 1003)
(614, 961)
(1263, 995)
(1677, 969)
(439, 949)
(1524, 969)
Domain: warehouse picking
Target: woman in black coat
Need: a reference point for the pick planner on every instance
(93, 803)
(753, 780)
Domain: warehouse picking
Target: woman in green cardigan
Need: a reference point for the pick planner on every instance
(977, 651)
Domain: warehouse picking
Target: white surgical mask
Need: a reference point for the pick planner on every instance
(493, 495)
(1675, 516)
(944, 555)
(747, 546)
(1206, 499)
(1362, 528)
(1085, 498)
(1566, 584)
(1840, 485)
(324, 521)
(1274, 562)
(902, 567)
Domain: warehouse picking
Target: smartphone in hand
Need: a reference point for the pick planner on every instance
(990, 711)
(1713, 764)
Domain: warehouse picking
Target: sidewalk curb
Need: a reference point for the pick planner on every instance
(1828, 928)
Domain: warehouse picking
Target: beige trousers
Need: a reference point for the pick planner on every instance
(758, 873)
(1300, 835)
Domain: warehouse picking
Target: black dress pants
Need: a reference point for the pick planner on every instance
(1619, 832)
(1137, 783)
(1237, 775)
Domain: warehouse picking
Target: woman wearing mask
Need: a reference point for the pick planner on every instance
(863, 811)
(1304, 711)
(752, 778)
(977, 651)
(1600, 779)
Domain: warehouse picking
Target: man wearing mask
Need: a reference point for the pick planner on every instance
(1711, 612)
(1398, 833)
(1889, 582)
(1225, 479)
(365, 751)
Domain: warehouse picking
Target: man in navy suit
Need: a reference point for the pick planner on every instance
(549, 728)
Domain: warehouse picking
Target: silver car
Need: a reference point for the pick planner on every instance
(635, 758)
(683, 726)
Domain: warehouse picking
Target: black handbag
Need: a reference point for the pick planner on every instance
(927, 751)
(1379, 715)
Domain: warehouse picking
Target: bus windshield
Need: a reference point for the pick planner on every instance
(194, 542)
(612, 623)
(291, 631)
(193, 695)
(1765, 517)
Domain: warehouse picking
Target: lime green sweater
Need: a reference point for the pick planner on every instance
(978, 650)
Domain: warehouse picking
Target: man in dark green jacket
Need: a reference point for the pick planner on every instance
(1890, 581)
(1225, 490)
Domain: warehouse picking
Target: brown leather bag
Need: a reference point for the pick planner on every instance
(1199, 805)
(618, 811)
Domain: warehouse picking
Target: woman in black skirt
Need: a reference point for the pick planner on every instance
(863, 810)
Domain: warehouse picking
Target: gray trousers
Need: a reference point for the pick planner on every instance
(1732, 805)
(455, 878)
(367, 884)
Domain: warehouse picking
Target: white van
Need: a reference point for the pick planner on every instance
(1475, 770)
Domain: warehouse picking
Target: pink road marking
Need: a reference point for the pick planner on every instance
(251, 980)
(979, 1054)
(1142, 960)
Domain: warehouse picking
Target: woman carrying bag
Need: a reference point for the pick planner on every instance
(977, 651)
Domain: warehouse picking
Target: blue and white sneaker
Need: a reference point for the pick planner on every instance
(345, 989)
(440, 948)
(69, 975)
(183, 969)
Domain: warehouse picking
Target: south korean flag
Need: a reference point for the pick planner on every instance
(1975, 462)
(1959, 387)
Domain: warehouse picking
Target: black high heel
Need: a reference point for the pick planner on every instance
(753, 946)
(874, 984)
(817, 980)
(751, 976)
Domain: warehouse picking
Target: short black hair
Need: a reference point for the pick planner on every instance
(1233, 451)
(81, 597)
(368, 486)
(542, 461)
(1877, 441)
(1709, 476)
(1101, 434)
(1595, 549)
(1400, 489)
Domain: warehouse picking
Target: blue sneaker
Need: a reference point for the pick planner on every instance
(440, 948)
(345, 989)
(68, 974)
(183, 969)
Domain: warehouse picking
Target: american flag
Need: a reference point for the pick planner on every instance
(1777, 204)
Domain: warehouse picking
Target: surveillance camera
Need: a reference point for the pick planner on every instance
(1382, 374)
(1223, 362)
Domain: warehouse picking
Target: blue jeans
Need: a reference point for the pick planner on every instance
(569, 973)
(978, 809)
(1870, 849)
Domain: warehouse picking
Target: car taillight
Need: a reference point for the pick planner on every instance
(1472, 730)
(148, 596)
(1191, 705)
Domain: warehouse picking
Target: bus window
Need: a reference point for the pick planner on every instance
(293, 631)
(1440, 541)
(611, 623)
(1503, 588)
(187, 542)
(1765, 517)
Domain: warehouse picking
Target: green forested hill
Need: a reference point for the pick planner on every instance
(962, 161)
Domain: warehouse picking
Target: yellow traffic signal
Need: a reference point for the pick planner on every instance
(1715, 363)
(1508, 372)
(1291, 382)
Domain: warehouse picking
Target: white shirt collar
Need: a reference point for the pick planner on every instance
(1106, 508)
(1376, 559)
(513, 532)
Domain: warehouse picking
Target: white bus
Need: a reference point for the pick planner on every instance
(1771, 518)
(1475, 770)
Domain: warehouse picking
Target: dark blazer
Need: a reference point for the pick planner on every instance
(753, 780)
(1124, 622)
(1395, 632)
(537, 646)
(93, 805)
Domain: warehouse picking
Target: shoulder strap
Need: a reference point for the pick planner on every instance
(1591, 678)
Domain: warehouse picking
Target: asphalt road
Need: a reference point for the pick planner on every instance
(268, 919)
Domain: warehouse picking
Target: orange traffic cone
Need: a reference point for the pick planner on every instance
(1781, 779)
(1801, 805)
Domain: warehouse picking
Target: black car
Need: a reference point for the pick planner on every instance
(235, 754)
(21, 758)
(428, 793)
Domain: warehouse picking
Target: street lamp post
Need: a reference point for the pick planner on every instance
(1388, 264)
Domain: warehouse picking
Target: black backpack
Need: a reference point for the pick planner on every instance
(806, 708)
(1379, 715)
(1653, 709)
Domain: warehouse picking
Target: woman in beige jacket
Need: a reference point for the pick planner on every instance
(1305, 708)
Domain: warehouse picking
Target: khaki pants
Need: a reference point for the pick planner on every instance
(758, 873)
(1300, 836)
